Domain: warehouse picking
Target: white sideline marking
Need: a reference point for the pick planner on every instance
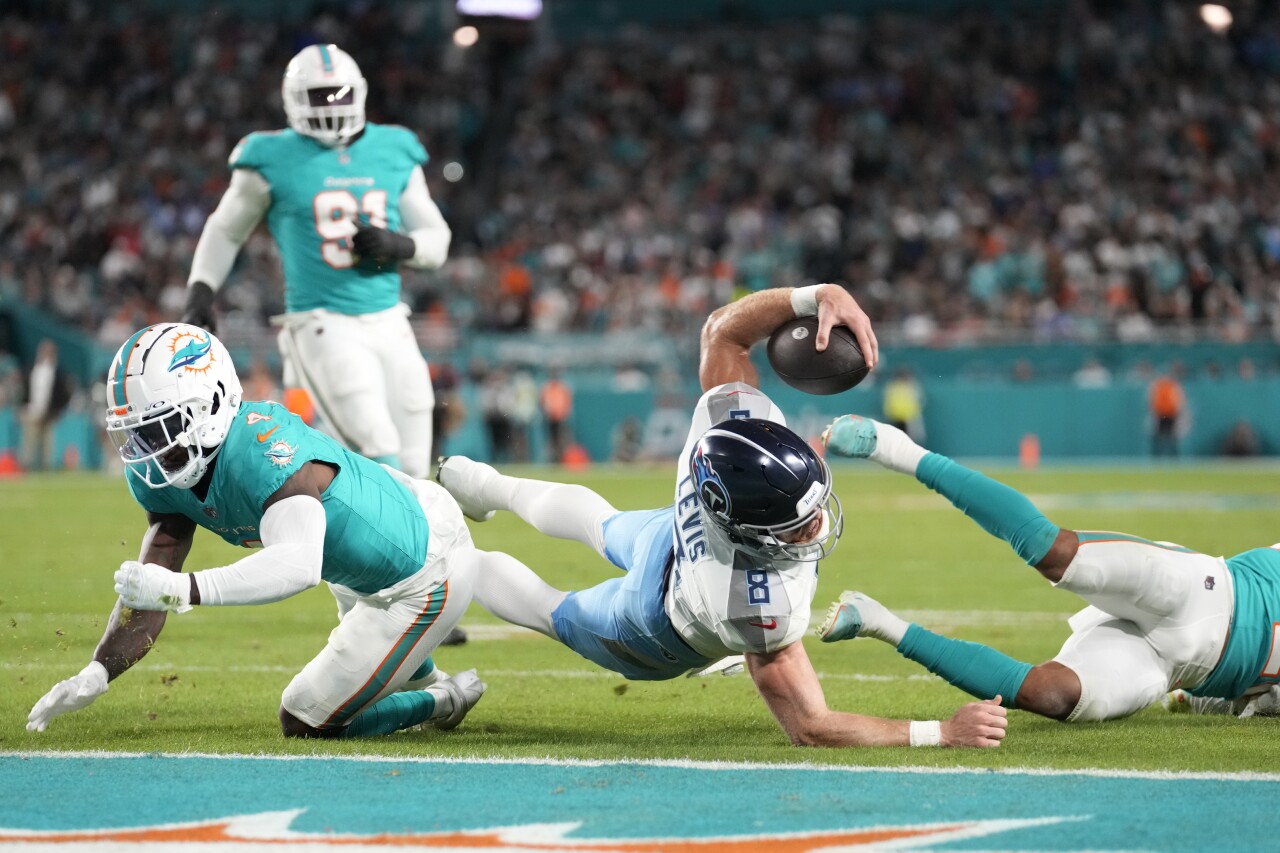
(734, 766)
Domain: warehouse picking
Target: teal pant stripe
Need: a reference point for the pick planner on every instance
(394, 659)
(428, 667)
(1108, 536)
(976, 669)
(395, 712)
(1001, 511)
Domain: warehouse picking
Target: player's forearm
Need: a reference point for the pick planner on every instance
(731, 331)
(214, 256)
(293, 532)
(229, 226)
(430, 246)
(129, 636)
(272, 574)
(424, 224)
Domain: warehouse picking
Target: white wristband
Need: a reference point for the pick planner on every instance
(804, 300)
(926, 733)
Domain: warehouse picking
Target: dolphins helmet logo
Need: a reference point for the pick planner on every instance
(191, 353)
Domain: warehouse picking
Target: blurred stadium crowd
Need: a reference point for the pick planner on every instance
(1082, 173)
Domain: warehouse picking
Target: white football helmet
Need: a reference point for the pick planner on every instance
(324, 93)
(172, 393)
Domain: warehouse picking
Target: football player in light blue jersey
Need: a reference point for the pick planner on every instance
(1160, 617)
(395, 552)
(726, 572)
(347, 203)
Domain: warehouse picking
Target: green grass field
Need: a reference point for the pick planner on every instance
(213, 681)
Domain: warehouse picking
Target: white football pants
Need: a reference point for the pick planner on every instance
(367, 379)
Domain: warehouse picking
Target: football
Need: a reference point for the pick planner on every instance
(792, 356)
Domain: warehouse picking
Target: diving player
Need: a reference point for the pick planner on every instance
(731, 567)
(395, 552)
(347, 203)
(1161, 617)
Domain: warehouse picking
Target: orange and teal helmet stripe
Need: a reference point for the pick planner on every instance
(325, 58)
(122, 365)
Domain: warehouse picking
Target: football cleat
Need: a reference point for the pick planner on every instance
(844, 621)
(852, 436)
(465, 690)
(465, 479)
(855, 614)
(732, 665)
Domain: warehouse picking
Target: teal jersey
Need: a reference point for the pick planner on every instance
(376, 532)
(1252, 655)
(316, 192)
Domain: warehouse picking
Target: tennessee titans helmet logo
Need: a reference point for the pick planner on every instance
(711, 491)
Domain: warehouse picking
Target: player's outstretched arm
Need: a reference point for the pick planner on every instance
(241, 209)
(130, 633)
(731, 330)
(791, 690)
(292, 530)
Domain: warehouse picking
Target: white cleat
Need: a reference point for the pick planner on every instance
(465, 690)
(465, 479)
(855, 614)
(732, 665)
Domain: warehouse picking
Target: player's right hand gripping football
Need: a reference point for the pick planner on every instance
(836, 307)
(976, 724)
(70, 695)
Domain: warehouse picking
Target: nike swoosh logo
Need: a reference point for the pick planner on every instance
(768, 626)
(263, 436)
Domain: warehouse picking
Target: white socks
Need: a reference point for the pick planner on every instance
(510, 590)
(896, 451)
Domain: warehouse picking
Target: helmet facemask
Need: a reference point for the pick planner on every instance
(786, 541)
(762, 487)
(174, 394)
(324, 95)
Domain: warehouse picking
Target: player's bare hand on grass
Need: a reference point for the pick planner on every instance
(836, 307)
(68, 695)
(977, 724)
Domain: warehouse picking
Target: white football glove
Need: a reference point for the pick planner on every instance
(70, 695)
(146, 586)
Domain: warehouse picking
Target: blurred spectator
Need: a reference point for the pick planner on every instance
(628, 438)
(1242, 440)
(48, 393)
(450, 411)
(495, 409)
(904, 403)
(1168, 404)
(523, 411)
(556, 401)
(1091, 374)
(1114, 177)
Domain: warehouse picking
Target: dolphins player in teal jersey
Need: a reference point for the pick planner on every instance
(729, 569)
(395, 552)
(347, 203)
(1160, 617)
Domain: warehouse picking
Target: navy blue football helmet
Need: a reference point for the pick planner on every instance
(763, 485)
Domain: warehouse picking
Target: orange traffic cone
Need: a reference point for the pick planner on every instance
(1029, 451)
(9, 464)
(575, 457)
